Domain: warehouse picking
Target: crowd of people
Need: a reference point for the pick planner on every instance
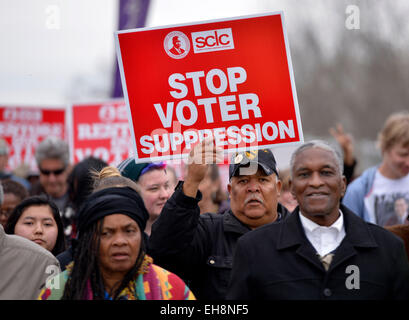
(134, 231)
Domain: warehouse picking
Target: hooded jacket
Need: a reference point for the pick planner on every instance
(357, 195)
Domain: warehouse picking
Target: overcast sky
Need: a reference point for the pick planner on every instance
(53, 51)
(48, 61)
(39, 57)
(52, 61)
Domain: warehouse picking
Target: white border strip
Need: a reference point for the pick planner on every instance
(70, 131)
(227, 152)
(125, 92)
(291, 72)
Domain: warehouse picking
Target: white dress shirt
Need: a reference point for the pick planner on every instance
(324, 239)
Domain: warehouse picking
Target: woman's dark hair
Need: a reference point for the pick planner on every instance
(81, 181)
(41, 200)
(219, 196)
(87, 267)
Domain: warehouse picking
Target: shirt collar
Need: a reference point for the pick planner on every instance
(311, 226)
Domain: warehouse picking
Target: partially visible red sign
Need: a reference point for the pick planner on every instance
(25, 127)
(230, 79)
(101, 130)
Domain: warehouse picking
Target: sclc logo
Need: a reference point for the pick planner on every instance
(212, 40)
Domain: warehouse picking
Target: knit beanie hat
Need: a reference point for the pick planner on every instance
(122, 200)
(132, 170)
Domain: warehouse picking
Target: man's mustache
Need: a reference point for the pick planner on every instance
(253, 197)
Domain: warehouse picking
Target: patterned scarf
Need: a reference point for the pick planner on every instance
(145, 286)
(151, 283)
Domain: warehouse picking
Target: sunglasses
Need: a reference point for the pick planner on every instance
(54, 172)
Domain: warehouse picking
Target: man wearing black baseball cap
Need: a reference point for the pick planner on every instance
(246, 162)
(254, 187)
(200, 247)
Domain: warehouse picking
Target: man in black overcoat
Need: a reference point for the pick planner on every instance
(323, 250)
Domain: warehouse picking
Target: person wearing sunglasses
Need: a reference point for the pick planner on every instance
(52, 157)
(14, 193)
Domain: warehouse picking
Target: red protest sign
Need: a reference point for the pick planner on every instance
(25, 127)
(229, 79)
(101, 130)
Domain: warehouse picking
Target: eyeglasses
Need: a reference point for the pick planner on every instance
(54, 172)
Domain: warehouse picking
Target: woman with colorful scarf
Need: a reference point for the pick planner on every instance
(110, 260)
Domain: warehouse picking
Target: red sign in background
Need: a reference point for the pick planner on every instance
(243, 96)
(101, 130)
(25, 127)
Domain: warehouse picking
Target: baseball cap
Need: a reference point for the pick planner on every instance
(263, 158)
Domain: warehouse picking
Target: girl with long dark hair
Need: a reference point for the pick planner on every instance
(38, 219)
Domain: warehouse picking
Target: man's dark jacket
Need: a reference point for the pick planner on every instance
(197, 247)
(277, 262)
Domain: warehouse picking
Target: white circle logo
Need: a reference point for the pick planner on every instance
(176, 45)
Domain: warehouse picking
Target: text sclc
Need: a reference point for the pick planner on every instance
(212, 40)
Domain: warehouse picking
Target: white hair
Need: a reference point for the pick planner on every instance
(53, 148)
(322, 145)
